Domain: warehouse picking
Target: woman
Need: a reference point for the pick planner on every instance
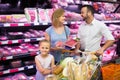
(58, 33)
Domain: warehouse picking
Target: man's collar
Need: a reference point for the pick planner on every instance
(92, 23)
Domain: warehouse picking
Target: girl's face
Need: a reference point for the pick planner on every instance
(44, 48)
(62, 18)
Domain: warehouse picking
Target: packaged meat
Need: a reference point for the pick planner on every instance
(59, 44)
(31, 77)
(7, 78)
(1, 53)
(42, 15)
(49, 13)
(72, 16)
(24, 51)
(33, 49)
(6, 52)
(5, 18)
(1, 67)
(41, 33)
(71, 43)
(54, 1)
(31, 14)
(15, 35)
(20, 76)
(13, 51)
(63, 3)
(3, 38)
(29, 62)
(19, 18)
(16, 64)
(77, 1)
(27, 35)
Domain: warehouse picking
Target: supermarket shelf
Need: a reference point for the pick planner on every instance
(107, 1)
(45, 23)
(22, 24)
(16, 69)
(113, 21)
(79, 22)
(18, 56)
(30, 24)
(20, 41)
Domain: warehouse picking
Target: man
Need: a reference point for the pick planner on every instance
(91, 32)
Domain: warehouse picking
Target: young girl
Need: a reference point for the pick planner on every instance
(44, 61)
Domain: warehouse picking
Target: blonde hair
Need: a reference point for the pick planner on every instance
(44, 40)
(51, 77)
(55, 16)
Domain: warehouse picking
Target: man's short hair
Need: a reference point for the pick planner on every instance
(90, 8)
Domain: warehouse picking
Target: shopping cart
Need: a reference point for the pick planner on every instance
(97, 74)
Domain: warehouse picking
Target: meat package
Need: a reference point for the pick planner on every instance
(16, 64)
(31, 14)
(42, 15)
(20, 76)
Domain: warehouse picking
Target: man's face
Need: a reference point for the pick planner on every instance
(84, 13)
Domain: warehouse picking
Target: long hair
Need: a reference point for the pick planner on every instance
(55, 16)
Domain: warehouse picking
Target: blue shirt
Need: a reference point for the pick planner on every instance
(54, 37)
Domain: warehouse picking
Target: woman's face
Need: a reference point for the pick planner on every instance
(44, 48)
(62, 18)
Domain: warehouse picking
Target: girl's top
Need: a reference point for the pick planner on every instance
(45, 63)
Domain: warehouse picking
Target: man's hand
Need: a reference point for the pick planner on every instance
(100, 51)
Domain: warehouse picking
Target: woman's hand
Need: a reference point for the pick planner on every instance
(59, 44)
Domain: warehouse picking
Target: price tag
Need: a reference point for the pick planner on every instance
(45, 23)
(21, 69)
(38, 39)
(6, 72)
(72, 22)
(21, 24)
(15, 41)
(6, 25)
(27, 40)
(9, 57)
(30, 67)
(36, 23)
(4, 42)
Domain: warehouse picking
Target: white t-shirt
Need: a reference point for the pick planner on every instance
(91, 34)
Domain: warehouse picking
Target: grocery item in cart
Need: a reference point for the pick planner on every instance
(51, 77)
(58, 69)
